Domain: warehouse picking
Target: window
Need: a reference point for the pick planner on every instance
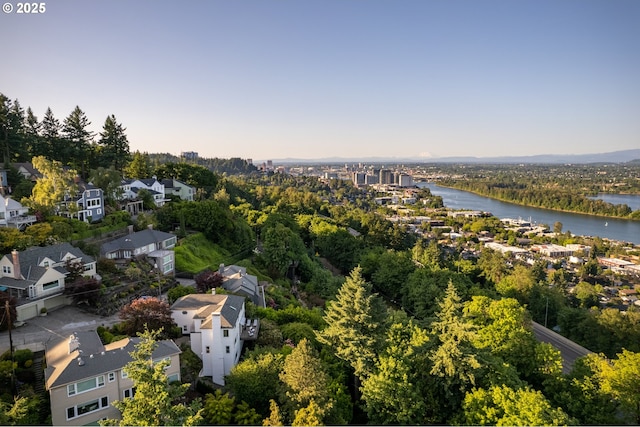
(6, 269)
(129, 393)
(86, 385)
(123, 374)
(225, 333)
(173, 378)
(208, 349)
(184, 328)
(99, 211)
(50, 285)
(112, 377)
(85, 408)
(227, 349)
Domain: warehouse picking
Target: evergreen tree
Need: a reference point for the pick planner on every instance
(32, 133)
(356, 322)
(114, 146)
(52, 146)
(79, 139)
(398, 391)
(454, 359)
(139, 167)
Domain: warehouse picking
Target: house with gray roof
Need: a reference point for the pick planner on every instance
(177, 188)
(217, 328)
(35, 277)
(236, 280)
(83, 377)
(13, 214)
(155, 244)
(131, 187)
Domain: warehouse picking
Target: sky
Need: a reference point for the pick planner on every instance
(336, 78)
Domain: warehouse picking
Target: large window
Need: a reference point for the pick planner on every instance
(6, 269)
(50, 285)
(85, 408)
(86, 385)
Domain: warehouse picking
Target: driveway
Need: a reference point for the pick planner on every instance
(36, 333)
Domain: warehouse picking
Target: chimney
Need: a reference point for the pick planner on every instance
(213, 291)
(16, 264)
(221, 269)
(130, 228)
(150, 226)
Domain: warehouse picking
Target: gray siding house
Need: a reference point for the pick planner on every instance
(155, 244)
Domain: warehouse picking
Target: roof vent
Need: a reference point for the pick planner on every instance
(102, 353)
(233, 308)
(80, 361)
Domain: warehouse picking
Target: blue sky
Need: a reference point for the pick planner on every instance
(349, 78)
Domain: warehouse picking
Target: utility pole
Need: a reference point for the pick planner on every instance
(8, 314)
(546, 312)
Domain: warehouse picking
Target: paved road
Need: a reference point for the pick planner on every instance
(58, 323)
(570, 350)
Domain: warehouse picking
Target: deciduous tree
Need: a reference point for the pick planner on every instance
(56, 183)
(146, 313)
(502, 405)
(305, 381)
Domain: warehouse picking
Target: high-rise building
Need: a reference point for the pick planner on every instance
(386, 176)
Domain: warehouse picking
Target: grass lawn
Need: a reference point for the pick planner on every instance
(195, 253)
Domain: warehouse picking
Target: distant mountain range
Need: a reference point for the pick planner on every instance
(625, 156)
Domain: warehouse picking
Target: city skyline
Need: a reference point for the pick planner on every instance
(284, 79)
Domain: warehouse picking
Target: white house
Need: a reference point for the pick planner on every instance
(217, 327)
(35, 277)
(13, 214)
(131, 187)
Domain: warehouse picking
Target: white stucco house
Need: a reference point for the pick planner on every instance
(217, 328)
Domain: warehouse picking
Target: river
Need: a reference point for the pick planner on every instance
(584, 225)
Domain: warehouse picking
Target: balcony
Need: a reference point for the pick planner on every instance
(21, 221)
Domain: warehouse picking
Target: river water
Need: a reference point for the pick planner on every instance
(584, 225)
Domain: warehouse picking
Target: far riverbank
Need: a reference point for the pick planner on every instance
(623, 230)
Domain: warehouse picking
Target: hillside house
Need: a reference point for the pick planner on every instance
(83, 377)
(173, 187)
(13, 214)
(36, 276)
(236, 280)
(131, 188)
(155, 244)
(217, 328)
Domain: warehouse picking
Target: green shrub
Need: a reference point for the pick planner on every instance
(21, 356)
(28, 364)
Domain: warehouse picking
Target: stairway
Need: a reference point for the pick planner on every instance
(38, 386)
